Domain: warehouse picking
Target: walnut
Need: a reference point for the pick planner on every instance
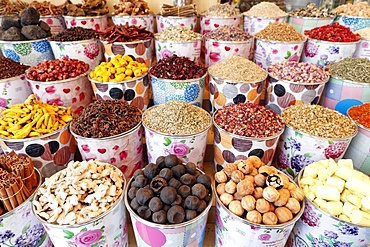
(266, 170)
(262, 205)
(229, 168)
(255, 161)
(284, 195)
(283, 214)
(260, 180)
(245, 187)
(275, 180)
(230, 187)
(236, 208)
(257, 192)
(244, 166)
(226, 198)
(269, 218)
(221, 177)
(293, 205)
(297, 194)
(220, 188)
(254, 172)
(250, 178)
(270, 194)
(249, 203)
(237, 176)
(254, 216)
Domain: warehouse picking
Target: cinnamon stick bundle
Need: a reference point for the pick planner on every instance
(183, 11)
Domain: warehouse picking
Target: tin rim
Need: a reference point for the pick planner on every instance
(14, 78)
(167, 226)
(85, 17)
(311, 18)
(351, 16)
(283, 42)
(245, 42)
(265, 18)
(126, 43)
(296, 83)
(73, 42)
(240, 82)
(176, 17)
(131, 16)
(178, 42)
(51, 16)
(58, 82)
(358, 124)
(169, 80)
(349, 81)
(23, 41)
(221, 17)
(118, 82)
(331, 43)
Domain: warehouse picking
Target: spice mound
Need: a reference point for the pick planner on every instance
(75, 34)
(249, 120)
(177, 118)
(9, 68)
(86, 8)
(18, 180)
(280, 31)
(227, 33)
(265, 10)
(126, 33)
(359, 8)
(364, 33)
(361, 114)
(333, 33)
(178, 34)
(131, 7)
(258, 193)
(293, 71)
(33, 118)
(222, 10)
(169, 192)
(352, 69)
(106, 118)
(319, 121)
(57, 70)
(46, 8)
(238, 69)
(312, 11)
(79, 193)
(338, 189)
(177, 68)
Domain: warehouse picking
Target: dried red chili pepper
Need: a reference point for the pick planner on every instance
(333, 33)
(361, 114)
(125, 33)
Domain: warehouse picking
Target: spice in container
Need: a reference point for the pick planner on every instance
(125, 33)
(312, 11)
(221, 10)
(227, 33)
(359, 8)
(86, 8)
(333, 33)
(280, 31)
(46, 8)
(265, 10)
(75, 34)
(352, 69)
(179, 11)
(360, 114)
(131, 8)
(364, 33)
(9, 68)
(178, 34)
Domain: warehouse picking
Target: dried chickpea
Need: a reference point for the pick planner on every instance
(254, 172)
(254, 216)
(272, 207)
(237, 196)
(266, 170)
(220, 189)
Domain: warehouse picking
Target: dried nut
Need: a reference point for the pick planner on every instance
(283, 198)
(236, 208)
(270, 194)
(230, 187)
(221, 177)
(226, 198)
(272, 207)
(249, 203)
(229, 168)
(285, 179)
(293, 205)
(262, 205)
(245, 187)
(237, 176)
(266, 170)
(237, 196)
(269, 218)
(255, 161)
(291, 186)
(254, 172)
(297, 194)
(254, 216)
(244, 166)
(275, 180)
(257, 192)
(283, 214)
(220, 188)
(250, 178)
(260, 180)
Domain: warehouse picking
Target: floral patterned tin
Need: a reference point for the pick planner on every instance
(165, 90)
(323, 53)
(49, 152)
(29, 52)
(362, 49)
(135, 92)
(254, 24)
(55, 22)
(353, 22)
(191, 49)
(307, 23)
(209, 23)
(14, 90)
(98, 23)
(107, 230)
(267, 52)
(124, 151)
(164, 22)
(216, 51)
(20, 227)
(74, 92)
(146, 21)
(89, 51)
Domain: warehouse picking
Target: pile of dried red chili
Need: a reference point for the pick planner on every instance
(333, 33)
(361, 114)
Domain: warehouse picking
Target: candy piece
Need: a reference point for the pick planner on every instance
(344, 218)
(355, 200)
(324, 174)
(328, 193)
(348, 208)
(345, 172)
(335, 182)
(307, 181)
(365, 202)
(311, 196)
(356, 184)
(345, 162)
(332, 167)
(319, 201)
(312, 189)
(360, 217)
(310, 171)
(333, 208)
(344, 195)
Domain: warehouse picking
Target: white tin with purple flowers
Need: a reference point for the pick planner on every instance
(14, 90)
(164, 22)
(189, 49)
(363, 49)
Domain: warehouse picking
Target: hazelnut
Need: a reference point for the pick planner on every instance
(266, 170)
(260, 180)
(245, 187)
(236, 208)
(283, 214)
(255, 161)
(249, 203)
(237, 176)
(220, 188)
(230, 187)
(237, 196)
(250, 178)
(297, 194)
(291, 186)
(293, 205)
(229, 168)
(275, 181)
(254, 172)
(272, 207)
(244, 166)
(257, 192)
(269, 218)
(226, 198)
(284, 195)
(221, 177)
(285, 179)
(270, 194)
(262, 205)
(254, 216)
